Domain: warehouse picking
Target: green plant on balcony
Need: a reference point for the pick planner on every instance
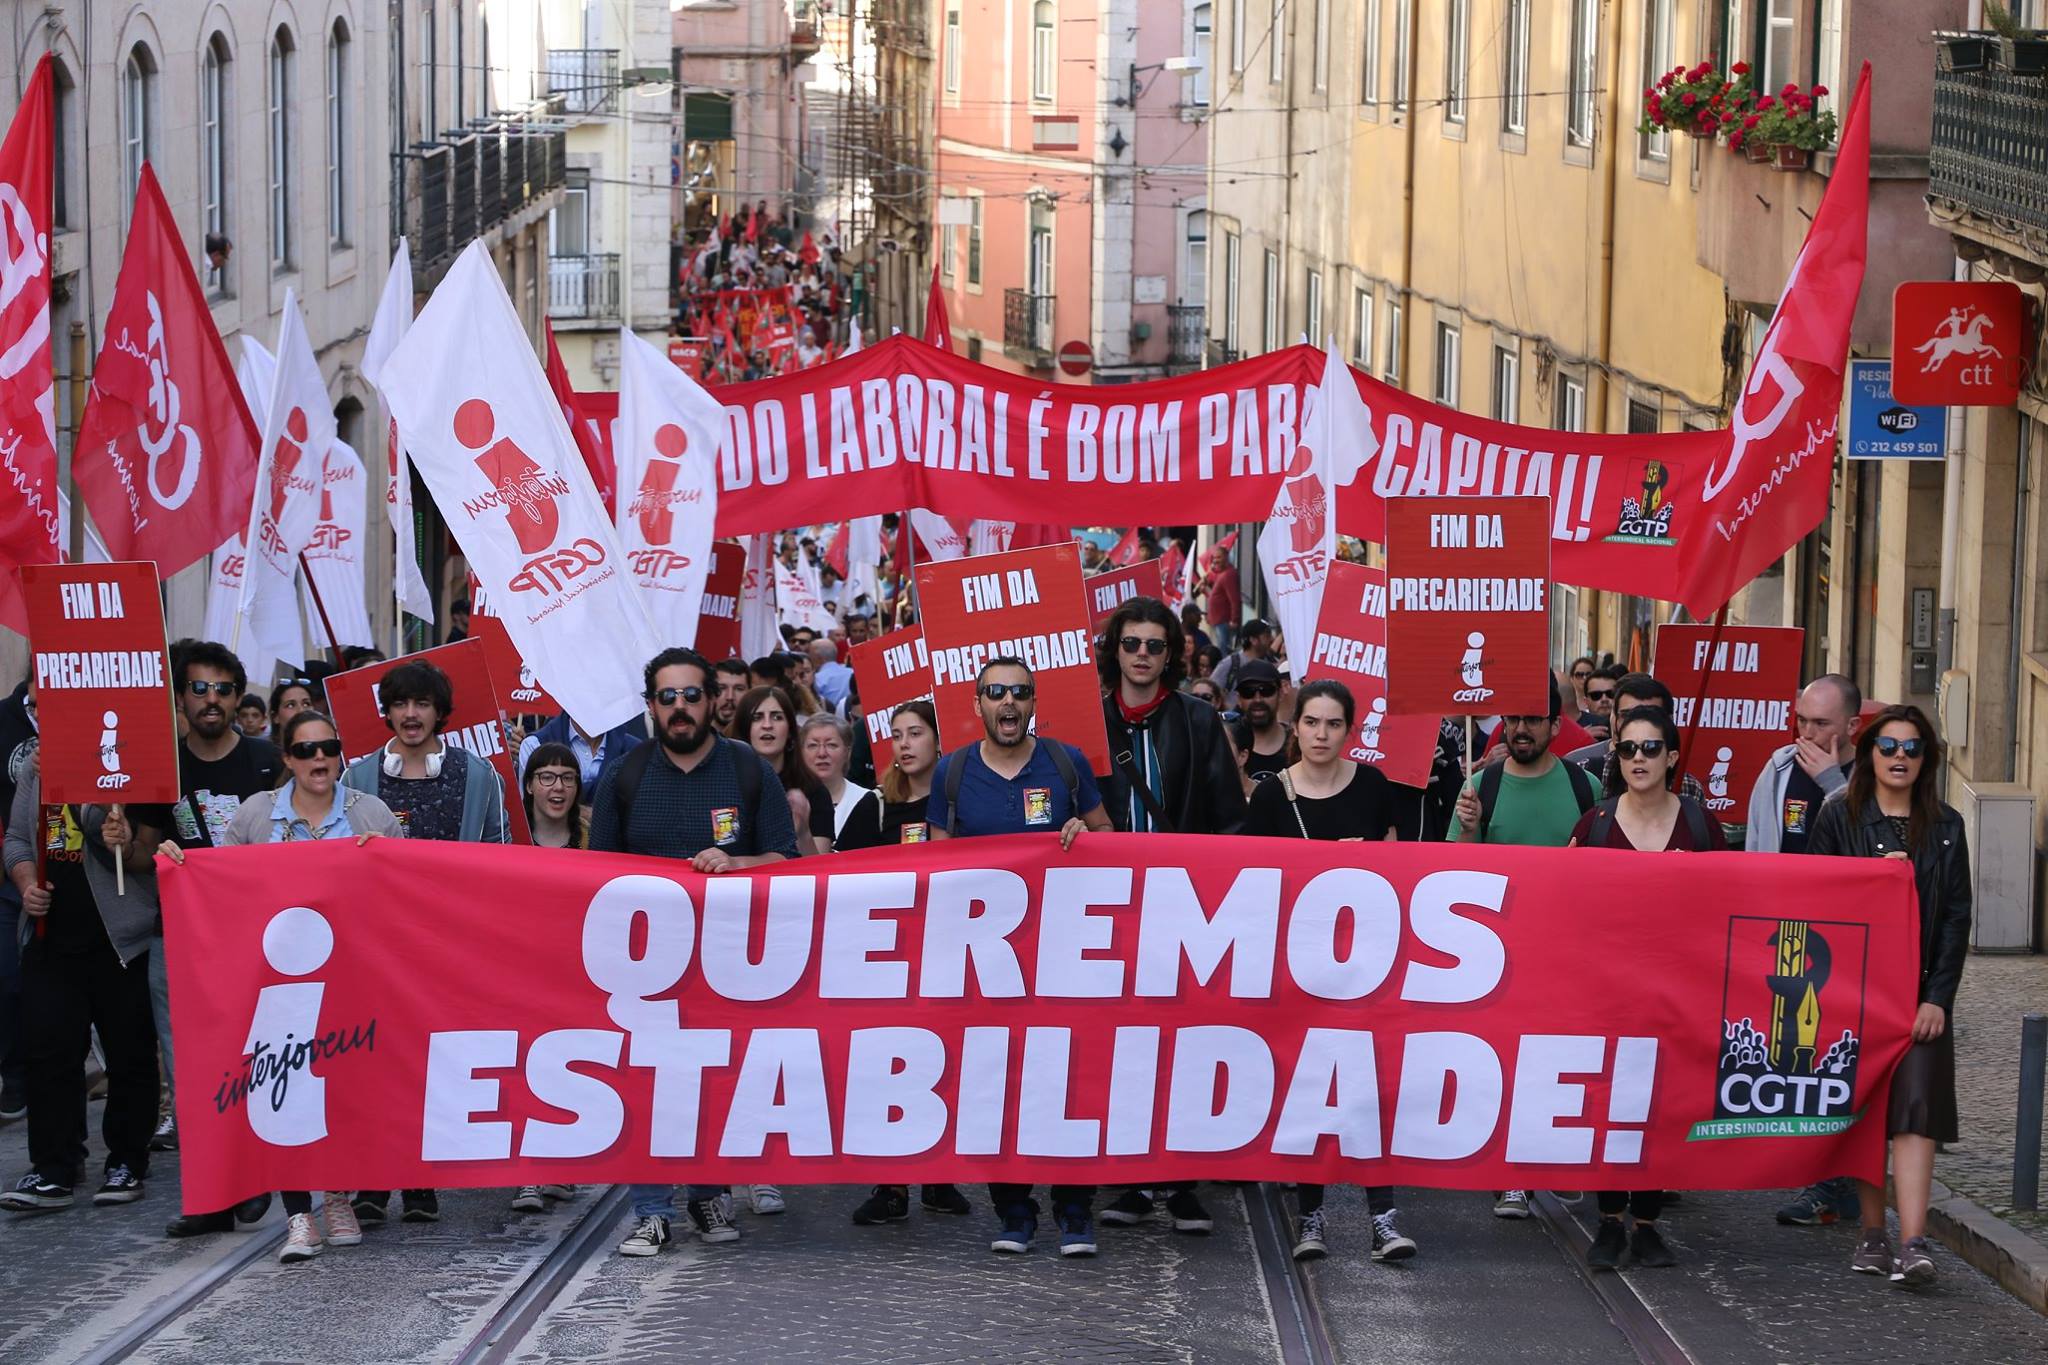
(2019, 49)
(1699, 101)
(1787, 128)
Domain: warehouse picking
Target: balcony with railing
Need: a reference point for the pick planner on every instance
(469, 183)
(1186, 334)
(583, 287)
(1220, 354)
(804, 38)
(1988, 162)
(586, 79)
(1027, 326)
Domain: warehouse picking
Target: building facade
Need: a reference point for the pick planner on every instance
(741, 75)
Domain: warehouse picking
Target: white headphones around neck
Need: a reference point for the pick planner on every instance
(394, 762)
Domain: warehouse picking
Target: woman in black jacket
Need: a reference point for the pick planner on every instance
(1889, 810)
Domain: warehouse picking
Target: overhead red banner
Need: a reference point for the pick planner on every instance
(891, 669)
(476, 725)
(718, 618)
(103, 685)
(1108, 591)
(1141, 1008)
(1752, 680)
(1351, 646)
(1026, 604)
(1468, 606)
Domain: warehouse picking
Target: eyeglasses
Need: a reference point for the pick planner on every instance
(1603, 694)
(1648, 748)
(1018, 691)
(307, 749)
(669, 696)
(551, 778)
(1889, 745)
(1133, 644)
(1525, 722)
(219, 689)
(1258, 690)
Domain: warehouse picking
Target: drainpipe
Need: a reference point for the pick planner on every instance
(1952, 495)
(1408, 193)
(1611, 128)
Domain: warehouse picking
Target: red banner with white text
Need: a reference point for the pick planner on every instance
(1735, 696)
(1142, 1008)
(892, 670)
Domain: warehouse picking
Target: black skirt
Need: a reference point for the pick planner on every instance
(1923, 1098)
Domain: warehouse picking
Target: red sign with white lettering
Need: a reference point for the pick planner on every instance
(518, 691)
(103, 684)
(1108, 591)
(1468, 606)
(718, 618)
(1958, 345)
(1752, 683)
(476, 725)
(1028, 604)
(1351, 647)
(890, 670)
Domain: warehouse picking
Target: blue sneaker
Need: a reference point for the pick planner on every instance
(1822, 1203)
(1020, 1225)
(1077, 1231)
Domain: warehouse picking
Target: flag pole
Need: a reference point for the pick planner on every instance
(333, 645)
(1686, 732)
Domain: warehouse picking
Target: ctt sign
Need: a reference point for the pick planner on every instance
(1959, 345)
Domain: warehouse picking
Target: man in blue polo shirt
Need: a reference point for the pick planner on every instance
(1015, 783)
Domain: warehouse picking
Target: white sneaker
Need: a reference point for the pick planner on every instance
(766, 1199)
(528, 1200)
(1511, 1204)
(341, 1227)
(301, 1240)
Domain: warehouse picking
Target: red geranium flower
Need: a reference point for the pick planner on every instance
(1740, 68)
(1766, 103)
(1820, 90)
(1690, 99)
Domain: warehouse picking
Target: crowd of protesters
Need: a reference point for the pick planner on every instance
(755, 296)
(1212, 736)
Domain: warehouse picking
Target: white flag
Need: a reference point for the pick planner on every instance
(863, 562)
(484, 430)
(387, 328)
(298, 426)
(797, 602)
(666, 442)
(1300, 538)
(758, 633)
(990, 537)
(942, 539)
(255, 368)
(853, 341)
(334, 557)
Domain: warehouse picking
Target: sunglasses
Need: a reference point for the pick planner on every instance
(219, 689)
(1581, 674)
(293, 682)
(1525, 722)
(669, 696)
(1133, 644)
(1018, 691)
(1601, 694)
(1889, 745)
(1648, 748)
(307, 749)
(1258, 690)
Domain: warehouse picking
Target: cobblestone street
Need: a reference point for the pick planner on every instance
(1997, 990)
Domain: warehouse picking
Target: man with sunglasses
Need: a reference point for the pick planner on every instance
(1013, 782)
(1598, 689)
(693, 795)
(1258, 701)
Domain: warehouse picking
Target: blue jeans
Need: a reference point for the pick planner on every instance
(160, 1006)
(1222, 631)
(659, 1201)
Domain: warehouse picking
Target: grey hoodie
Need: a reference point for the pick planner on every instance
(1764, 833)
(132, 919)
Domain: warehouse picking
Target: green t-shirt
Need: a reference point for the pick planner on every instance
(1538, 811)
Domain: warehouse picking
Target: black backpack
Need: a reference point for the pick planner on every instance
(1689, 810)
(1061, 760)
(633, 770)
(1489, 790)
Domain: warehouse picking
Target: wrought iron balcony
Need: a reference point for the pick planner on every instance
(1027, 324)
(1989, 154)
(583, 286)
(1220, 354)
(586, 78)
(468, 183)
(1186, 333)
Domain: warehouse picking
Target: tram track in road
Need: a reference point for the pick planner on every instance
(144, 1327)
(1298, 1324)
(1638, 1324)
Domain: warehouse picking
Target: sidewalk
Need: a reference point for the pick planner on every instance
(1972, 1210)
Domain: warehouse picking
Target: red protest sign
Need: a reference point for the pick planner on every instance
(103, 684)
(890, 670)
(1468, 606)
(718, 619)
(1027, 604)
(1747, 714)
(1958, 345)
(476, 725)
(1108, 591)
(1351, 646)
(518, 691)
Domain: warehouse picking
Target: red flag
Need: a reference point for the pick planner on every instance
(753, 227)
(166, 456)
(595, 457)
(1771, 486)
(1031, 534)
(1126, 551)
(808, 252)
(835, 551)
(937, 330)
(30, 532)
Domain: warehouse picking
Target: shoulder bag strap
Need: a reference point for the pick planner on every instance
(1287, 785)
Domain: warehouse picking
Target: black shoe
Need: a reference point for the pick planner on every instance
(1187, 1213)
(944, 1199)
(369, 1205)
(1608, 1244)
(200, 1224)
(888, 1204)
(123, 1185)
(1129, 1209)
(35, 1193)
(1648, 1249)
(251, 1210)
(13, 1107)
(420, 1206)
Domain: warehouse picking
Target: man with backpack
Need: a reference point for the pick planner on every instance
(1015, 783)
(688, 793)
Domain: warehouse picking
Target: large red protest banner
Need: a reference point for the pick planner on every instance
(1468, 606)
(1108, 591)
(890, 669)
(1752, 678)
(476, 725)
(1026, 604)
(1351, 646)
(103, 685)
(718, 618)
(1141, 1008)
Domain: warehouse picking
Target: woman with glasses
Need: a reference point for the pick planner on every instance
(554, 798)
(1201, 689)
(766, 719)
(1890, 810)
(311, 805)
(1324, 795)
(1580, 671)
(1642, 811)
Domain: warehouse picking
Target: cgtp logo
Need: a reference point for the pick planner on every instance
(1646, 514)
(113, 779)
(1472, 670)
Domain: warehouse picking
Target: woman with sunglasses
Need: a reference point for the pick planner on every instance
(1203, 690)
(1890, 810)
(310, 805)
(1580, 671)
(766, 719)
(1642, 811)
(554, 798)
(1324, 795)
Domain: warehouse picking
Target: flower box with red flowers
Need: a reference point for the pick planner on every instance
(1698, 100)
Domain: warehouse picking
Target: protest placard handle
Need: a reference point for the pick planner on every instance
(313, 586)
(1686, 732)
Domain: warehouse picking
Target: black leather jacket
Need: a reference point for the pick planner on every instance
(1941, 869)
(1198, 796)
